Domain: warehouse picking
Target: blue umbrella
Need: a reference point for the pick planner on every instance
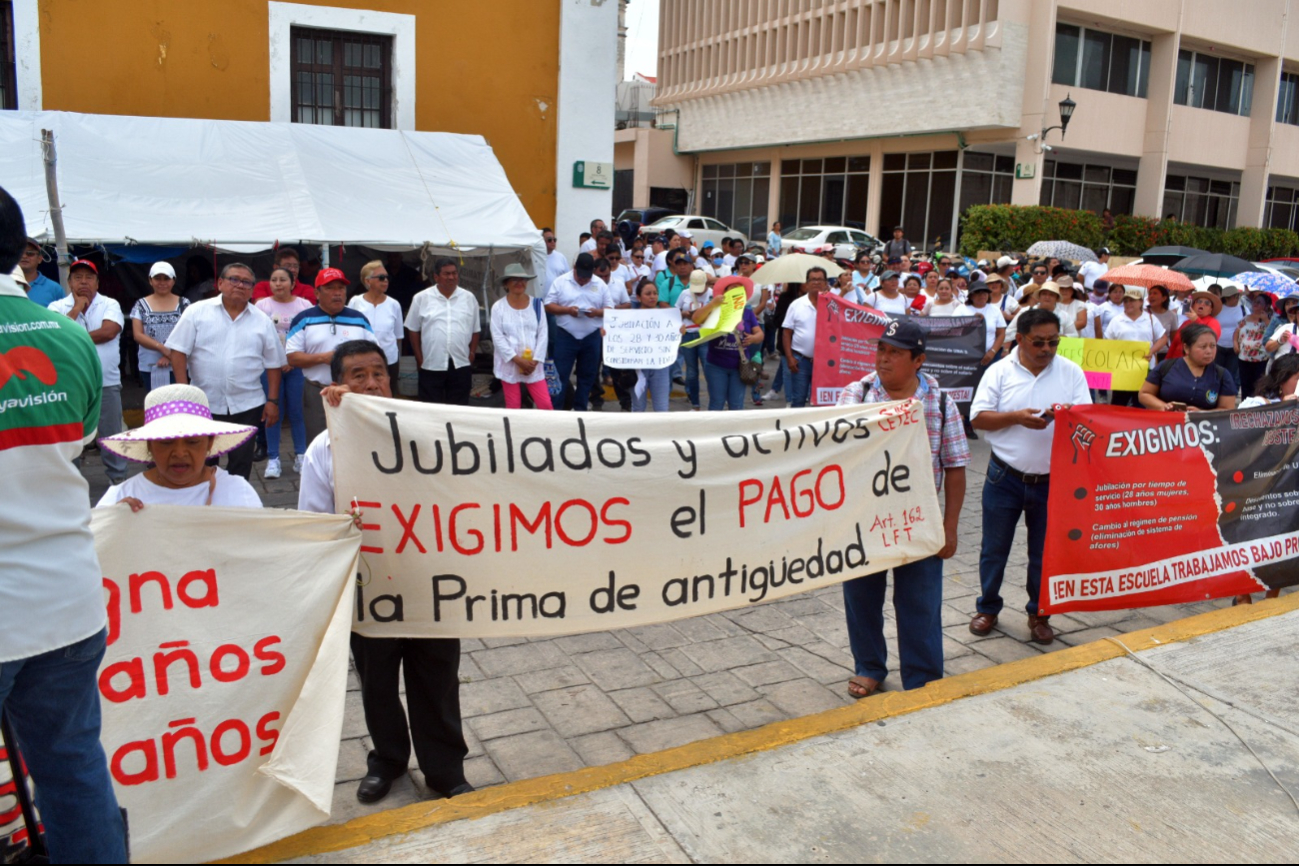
(1267, 281)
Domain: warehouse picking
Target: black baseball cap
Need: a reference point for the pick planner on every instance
(903, 334)
(584, 265)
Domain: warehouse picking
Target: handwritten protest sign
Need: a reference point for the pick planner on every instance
(724, 318)
(223, 684)
(1120, 365)
(641, 339)
(1150, 508)
(481, 523)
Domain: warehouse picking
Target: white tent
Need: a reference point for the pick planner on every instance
(176, 181)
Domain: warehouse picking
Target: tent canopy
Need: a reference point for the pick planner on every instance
(181, 182)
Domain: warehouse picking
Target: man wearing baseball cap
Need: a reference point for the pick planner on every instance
(313, 336)
(40, 288)
(917, 586)
(102, 317)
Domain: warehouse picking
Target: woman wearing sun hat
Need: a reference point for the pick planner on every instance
(176, 441)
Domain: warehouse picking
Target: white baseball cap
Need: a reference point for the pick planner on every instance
(1005, 262)
(163, 268)
(687, 235)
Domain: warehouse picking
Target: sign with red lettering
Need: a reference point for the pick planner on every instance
(222, 687)
(1150, 508)
(482, 523)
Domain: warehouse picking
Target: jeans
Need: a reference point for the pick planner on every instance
(52, 703)
(1005, 498)
(110, 424)
(800, 383)
(692, 357)
(585, 353)
(778, 383)
(290, 404)
(918, 603)
(725, 390)
(659, 390)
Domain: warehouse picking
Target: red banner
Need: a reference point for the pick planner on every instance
(846, 334)
(1151, 508)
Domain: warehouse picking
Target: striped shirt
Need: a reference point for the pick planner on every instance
(315, 332)
(947, 442)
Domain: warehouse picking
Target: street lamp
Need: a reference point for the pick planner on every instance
(1067, 107)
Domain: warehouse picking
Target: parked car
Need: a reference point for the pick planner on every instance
(847, 241)
(701, 228)
(642, 215)
(1285, 267)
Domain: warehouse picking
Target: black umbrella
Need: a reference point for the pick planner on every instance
(1214, 265)
(1169, 256)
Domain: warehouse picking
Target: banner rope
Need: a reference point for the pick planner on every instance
(1184, 689)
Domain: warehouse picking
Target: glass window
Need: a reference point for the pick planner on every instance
(1201, 201)
(341, 78)
(1287, 99)
(8, 70)
(1088, 186)
(734, 196)
(1100, 61)
(829, 192)
(1215, 83)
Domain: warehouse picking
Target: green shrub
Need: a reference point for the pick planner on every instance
(1013, 227)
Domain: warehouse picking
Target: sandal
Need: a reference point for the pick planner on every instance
(862, 687)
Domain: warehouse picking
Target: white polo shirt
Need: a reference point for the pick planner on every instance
(896, 305)
(1143, 329)
(316, 483)
(102, 309)
(226, 357)
(801, 319)
(1008, 386)
(445, 325)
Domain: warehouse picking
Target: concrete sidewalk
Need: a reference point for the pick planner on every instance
(1080, 755)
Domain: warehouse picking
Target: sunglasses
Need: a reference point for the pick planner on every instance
(550, 240)
(1039, 344)
(383, 278)
(242, 283)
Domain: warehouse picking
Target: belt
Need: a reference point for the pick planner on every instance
(1026, 477)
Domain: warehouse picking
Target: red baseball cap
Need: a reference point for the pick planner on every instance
(83, 263)
(331, 275)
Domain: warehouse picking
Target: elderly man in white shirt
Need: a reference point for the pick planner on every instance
(102, 317)
(444, 325)
(1015, 404)
(578, 300)
(223, 345)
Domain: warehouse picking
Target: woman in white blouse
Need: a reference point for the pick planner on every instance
(384, 314)
(519, 341)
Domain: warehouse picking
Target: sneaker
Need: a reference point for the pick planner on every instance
(297, 463)
(273, 467)
(770, 395)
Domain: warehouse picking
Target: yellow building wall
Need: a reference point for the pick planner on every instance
(490, 69)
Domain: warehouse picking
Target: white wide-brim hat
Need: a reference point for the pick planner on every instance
(177, 412)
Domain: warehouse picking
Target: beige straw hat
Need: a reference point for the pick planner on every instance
(177, 412)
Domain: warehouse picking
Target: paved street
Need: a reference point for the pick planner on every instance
(533, 707)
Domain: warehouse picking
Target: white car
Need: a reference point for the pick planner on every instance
(845, 240)
(701, 229)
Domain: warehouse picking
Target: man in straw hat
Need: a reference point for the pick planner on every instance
(431, 666)
(178, 437)
(53, 627)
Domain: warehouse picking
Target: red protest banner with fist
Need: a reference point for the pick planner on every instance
(1151, 508)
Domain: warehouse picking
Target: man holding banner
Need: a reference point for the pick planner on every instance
(1015, 403)
(431, 666)
(917, 586)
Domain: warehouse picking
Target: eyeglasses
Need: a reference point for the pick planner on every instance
(1039, 344)
(383, 278)
(637, 258)
(240, 282)
(550, 240)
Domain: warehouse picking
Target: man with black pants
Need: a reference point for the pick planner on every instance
(443, 327)
(431, 666)
(1015, 402)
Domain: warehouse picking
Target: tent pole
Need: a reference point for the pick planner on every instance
(486, 277)
(56, 209)
(324, 255)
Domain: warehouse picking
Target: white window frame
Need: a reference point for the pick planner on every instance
(282, 17)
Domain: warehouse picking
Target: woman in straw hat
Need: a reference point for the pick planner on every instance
(519, 340)
(176, 441)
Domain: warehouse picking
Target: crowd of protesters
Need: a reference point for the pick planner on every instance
(226, 355)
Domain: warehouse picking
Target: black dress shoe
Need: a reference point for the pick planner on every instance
(259, 453)
(373, 789)
(463, 788)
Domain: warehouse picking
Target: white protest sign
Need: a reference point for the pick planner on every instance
(223, 684)
(641, 339)
(484, 523)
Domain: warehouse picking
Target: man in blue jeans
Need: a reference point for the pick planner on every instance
(578, 300)
(1015, 403)
(52, 615)
(798, 337)
(917, 586)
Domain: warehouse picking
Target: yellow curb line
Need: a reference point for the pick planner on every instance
(366, 829)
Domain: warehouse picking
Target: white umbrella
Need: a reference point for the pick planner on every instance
(793, 269)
